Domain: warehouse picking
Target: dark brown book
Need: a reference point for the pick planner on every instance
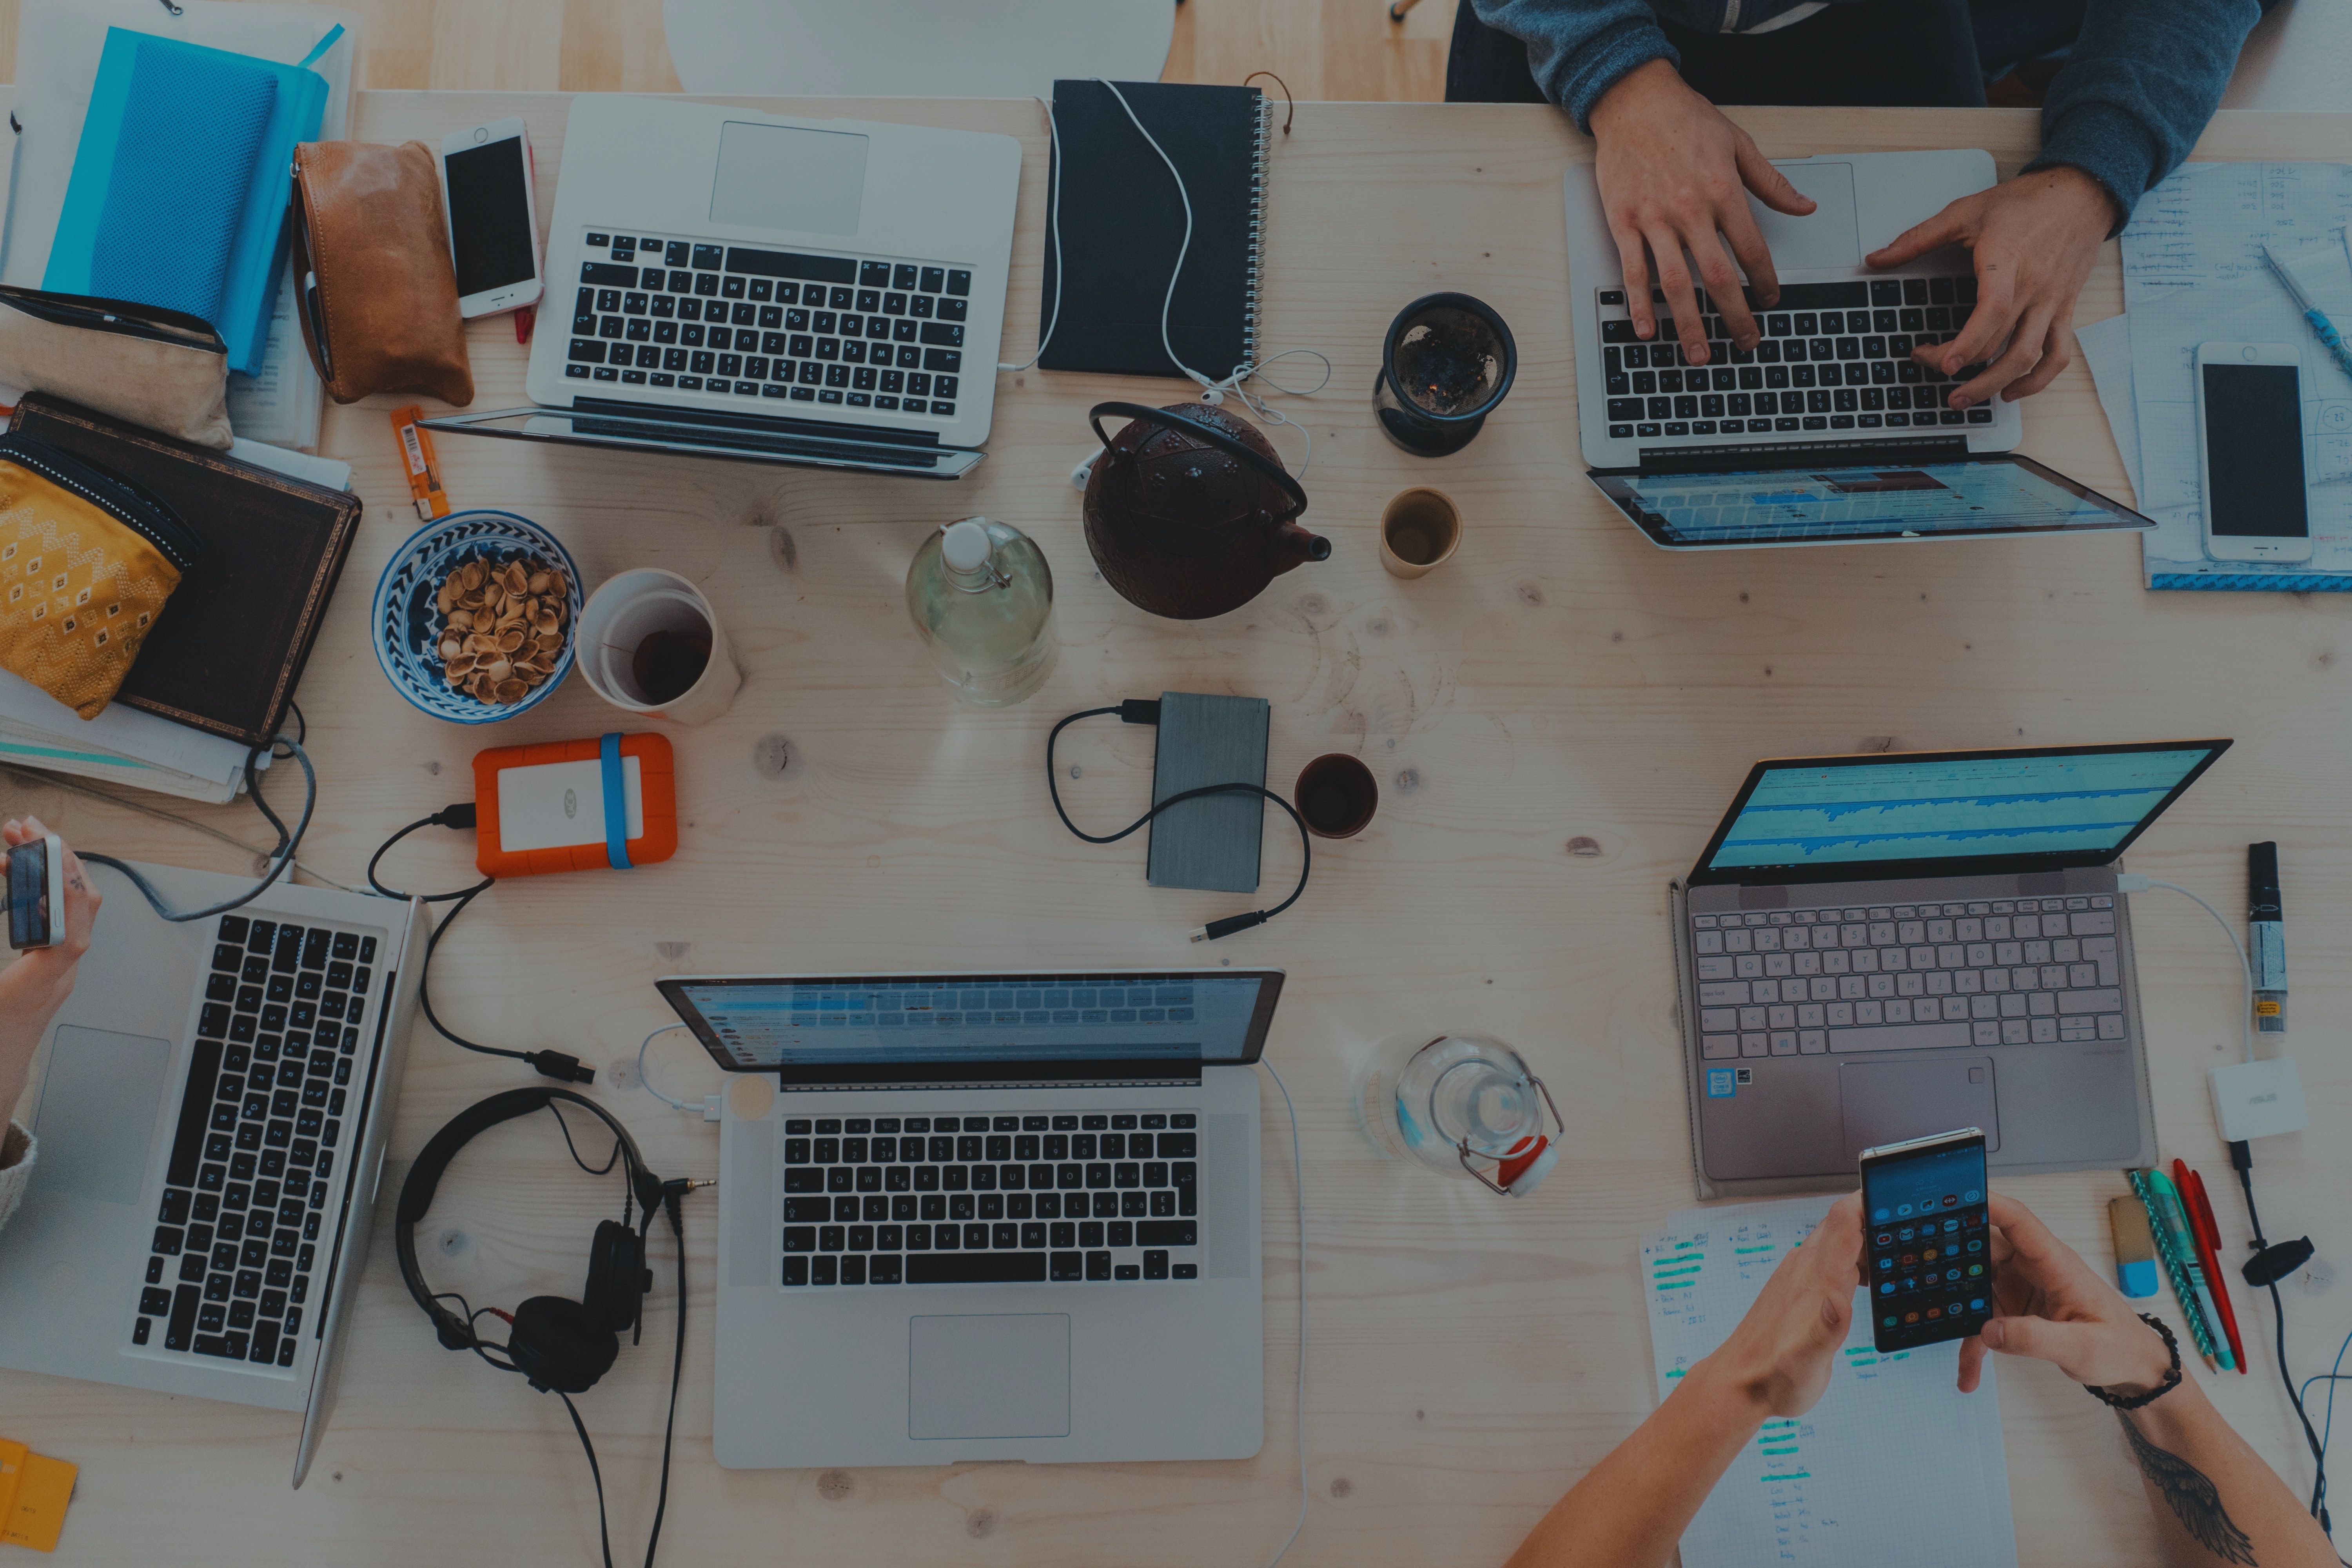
(229, 647)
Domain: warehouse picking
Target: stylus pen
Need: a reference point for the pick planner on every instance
(2209, 1251)
(2267, 938)
(2320, 325)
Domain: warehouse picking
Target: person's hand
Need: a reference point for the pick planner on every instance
(2034, 240)
(55, 966)
(2055, 1307)
(1779, 1355)
(1673, 171)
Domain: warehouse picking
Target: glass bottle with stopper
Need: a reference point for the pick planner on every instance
(983, 597)
(1461, 1105)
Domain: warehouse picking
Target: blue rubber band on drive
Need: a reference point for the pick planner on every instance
(616, 803)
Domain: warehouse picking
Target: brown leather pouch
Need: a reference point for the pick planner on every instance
(379, 296)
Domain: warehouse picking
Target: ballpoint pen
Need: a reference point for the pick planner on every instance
(2198, 1297)
(2320, 325)
(2207, 1235)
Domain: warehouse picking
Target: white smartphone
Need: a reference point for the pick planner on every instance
(36, 880)
(489, 197)
(2249, 451)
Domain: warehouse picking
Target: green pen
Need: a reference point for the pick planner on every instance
(2176, 1226)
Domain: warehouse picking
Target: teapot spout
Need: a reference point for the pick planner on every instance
(1295, 546)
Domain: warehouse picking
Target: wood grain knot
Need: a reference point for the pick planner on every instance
(1312, 604)
(671, 951)
(835, 1485)
(1531, 594)
(979, 1523)
(1581, 844)
(770, 755)
(1341, 1486)
(1408, 780)
(782, 550)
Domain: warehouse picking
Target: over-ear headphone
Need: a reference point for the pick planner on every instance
(555, 1342)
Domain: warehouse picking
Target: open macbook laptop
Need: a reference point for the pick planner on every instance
(1874, 948)
(730, 284)
(1826, 432)
(987, 1217)
(212, 1112)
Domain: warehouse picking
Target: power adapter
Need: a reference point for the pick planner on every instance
(2258, 1099)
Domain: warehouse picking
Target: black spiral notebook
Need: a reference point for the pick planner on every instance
(1122, 221)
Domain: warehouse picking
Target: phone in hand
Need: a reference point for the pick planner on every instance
(36, 880)
(491, 205)
(2249, 451)
(1926, 1239)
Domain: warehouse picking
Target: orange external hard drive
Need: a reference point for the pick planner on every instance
(575, 806)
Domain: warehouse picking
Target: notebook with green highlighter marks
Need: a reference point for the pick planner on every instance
(180, 185)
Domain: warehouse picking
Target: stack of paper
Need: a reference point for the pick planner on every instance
(2194, 273)
(59, 44)
(1893, 1465)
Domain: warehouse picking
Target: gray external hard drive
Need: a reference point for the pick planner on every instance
(1212, 843)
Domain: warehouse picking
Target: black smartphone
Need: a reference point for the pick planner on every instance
(1926, 1245)
(33, 871)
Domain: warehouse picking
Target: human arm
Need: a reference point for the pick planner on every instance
(36, 985)
(2139, 84)
(2215, 1500)
(1630, 1509)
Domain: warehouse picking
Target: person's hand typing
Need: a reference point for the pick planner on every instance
(2034, 239)
(2053, 1307)
(1673, 173)
(1780, 1354)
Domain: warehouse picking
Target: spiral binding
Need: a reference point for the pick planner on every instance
(1256, 228)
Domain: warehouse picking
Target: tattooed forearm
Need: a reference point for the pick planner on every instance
(2191, 1495)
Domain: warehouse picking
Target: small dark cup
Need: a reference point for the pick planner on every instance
(1337, 796)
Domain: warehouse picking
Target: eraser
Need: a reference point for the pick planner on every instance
(2136, 1269)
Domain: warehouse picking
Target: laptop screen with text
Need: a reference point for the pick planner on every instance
(1936, 812)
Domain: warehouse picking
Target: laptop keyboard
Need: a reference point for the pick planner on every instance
(2003, 971)
(1019, 1199)
(1835, 357)
(236, 1242)
(700, 316)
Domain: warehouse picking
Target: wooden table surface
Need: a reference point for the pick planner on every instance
(1556, 718)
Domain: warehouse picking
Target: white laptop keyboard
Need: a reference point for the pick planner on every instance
(1835, 357)
(1024, 1198)
(2003, 971)
(774, 326)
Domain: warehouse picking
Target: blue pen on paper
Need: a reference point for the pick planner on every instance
(2324, 329)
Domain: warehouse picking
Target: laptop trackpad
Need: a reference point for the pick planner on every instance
(98, 1098)
(1001, 1375)
(1886, 1102)
(1825, 237)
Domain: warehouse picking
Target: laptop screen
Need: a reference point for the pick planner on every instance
(1876, 817)
(935, 1027)
(1998, 492)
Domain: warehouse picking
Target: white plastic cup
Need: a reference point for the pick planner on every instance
(631, 607)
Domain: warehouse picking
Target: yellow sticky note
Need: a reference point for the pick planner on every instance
(12, 1470)
(42, 1489)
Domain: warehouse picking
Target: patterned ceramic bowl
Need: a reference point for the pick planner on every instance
(408, 622)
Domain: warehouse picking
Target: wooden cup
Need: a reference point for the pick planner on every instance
(1420, 530)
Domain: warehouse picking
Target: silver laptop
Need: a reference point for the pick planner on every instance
(730, 284)
(987, 1217)
(212, 1107)
(1826, 432)
(1874, 948)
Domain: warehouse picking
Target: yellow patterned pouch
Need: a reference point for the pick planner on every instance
(87, 560)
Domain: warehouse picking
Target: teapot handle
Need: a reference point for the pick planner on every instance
(1210, 434)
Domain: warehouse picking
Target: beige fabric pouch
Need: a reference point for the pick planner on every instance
(163, 369)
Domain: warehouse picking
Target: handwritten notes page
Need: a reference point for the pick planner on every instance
(1893, 1465)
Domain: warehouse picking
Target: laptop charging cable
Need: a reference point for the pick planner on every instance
(280, 857)
(2270, 1263)
(558, 1065)
(1145, 711)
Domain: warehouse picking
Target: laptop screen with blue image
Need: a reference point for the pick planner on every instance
(960, 1020)
(1823, 503)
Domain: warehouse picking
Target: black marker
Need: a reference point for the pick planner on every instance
(2266, 931)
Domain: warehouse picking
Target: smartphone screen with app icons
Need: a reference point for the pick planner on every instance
(1926, 1245)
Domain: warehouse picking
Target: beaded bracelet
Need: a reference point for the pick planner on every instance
(2171, 1377)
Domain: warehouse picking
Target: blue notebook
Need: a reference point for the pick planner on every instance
(180, 185)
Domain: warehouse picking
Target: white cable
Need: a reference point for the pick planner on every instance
(648, 1082)
(1212, 392)
(1298, 1186)
(2128, 881)
(1054, 227)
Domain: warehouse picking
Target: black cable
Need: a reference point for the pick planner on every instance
(2242, 1158)
(670, 1194)
(289, 840)
(594, 1470)
(557, 1111)
(1146, 712)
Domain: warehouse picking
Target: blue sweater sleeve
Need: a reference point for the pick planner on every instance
(1579, 49)
(2140, 83)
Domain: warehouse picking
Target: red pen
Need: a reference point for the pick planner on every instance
(2207, 1235)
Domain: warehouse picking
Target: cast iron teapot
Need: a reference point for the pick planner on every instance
(1190, 511)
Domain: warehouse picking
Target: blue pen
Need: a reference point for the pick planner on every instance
(2320, 325)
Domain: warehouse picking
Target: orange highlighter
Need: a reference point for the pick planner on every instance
(2207, 1235)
